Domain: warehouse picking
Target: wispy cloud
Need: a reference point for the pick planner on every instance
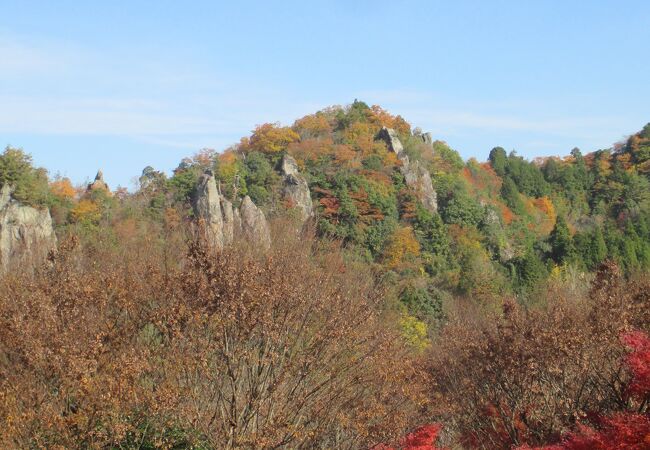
(146, 99)
(543, 120)
(54, 88)
(18, 58)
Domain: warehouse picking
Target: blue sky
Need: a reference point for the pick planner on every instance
(125, 84)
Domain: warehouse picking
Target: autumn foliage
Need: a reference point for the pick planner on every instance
(529, 376)
(63, 188)
(270, 138)
(423, 438)
(114, 346)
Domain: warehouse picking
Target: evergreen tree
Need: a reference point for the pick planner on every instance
(510, 194)
(499, 160)
(530, 271)
(561, 242)
(598, 248)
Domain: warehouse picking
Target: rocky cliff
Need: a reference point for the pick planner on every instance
(26, 233)
(255, 228)
(417, 177)
(221, 222)
(295, 189)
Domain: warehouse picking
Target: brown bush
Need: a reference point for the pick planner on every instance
(528, 375)
(132, 345)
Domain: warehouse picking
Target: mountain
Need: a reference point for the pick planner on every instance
(360, 280)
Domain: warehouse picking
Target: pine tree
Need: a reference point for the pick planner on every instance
(598, 248)
(499, 160)
(562, 249)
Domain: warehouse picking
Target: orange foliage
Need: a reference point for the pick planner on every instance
(385, 119)
(85, 211)
(483, 179)
(625, 160)
(489, 170)
(367, 212)
(401, 246)
(204, 157)
(228, 157)
(361, 135)
(545, 205)
(408, 204)
(506, 213)
(467, 175)
(63, 188)
(345, 156)
(330, 204)
(390, 159)
(379, 178)
(270, 138)
(310, 149)
(312, 125)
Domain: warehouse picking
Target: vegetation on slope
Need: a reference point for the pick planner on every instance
(529, 275)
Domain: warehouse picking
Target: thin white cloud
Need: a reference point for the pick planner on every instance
(22, 57)
(72, 91)
(431, 111)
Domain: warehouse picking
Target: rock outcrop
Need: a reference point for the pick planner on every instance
(208, 212)
(99, 183)
(417, 177)
(26, 233)
(221, 223)
(295, 189)
(254, 226)
(426, 138)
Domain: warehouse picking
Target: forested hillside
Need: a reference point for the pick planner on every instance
(408, 296)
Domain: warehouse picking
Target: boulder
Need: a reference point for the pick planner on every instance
(26, 233)
(417, 177)
(295, 189)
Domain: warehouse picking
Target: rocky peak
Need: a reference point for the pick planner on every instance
(289, 166)
(99, 183)
(26, 233)
(295, 189)
(427, 138)
(417, 177)
(254, 226)
(220, 222)
(391, 138)
(207, 209)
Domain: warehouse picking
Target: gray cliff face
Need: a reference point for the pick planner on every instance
(295, 189)
(229, 226)
(26, 233)
(417, 177)
(427, 139)
(207, 209)
(492, 220)
(254, 226)
(221, 223)
(392, 141)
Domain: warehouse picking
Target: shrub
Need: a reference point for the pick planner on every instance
(129, 342)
